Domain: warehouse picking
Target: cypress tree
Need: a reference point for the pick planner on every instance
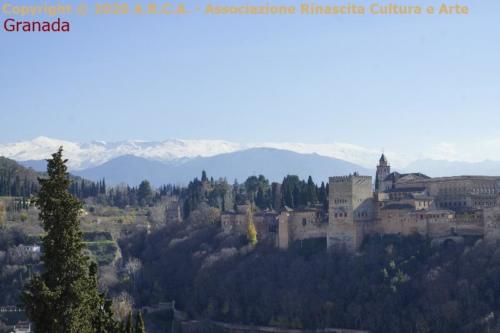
(64, 298)
(128, 326)
(139, 323)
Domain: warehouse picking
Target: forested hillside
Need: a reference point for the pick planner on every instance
(16, 180)
(396, 284)
(19, 181)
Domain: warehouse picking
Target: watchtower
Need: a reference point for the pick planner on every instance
(350, 209)
(383, 170)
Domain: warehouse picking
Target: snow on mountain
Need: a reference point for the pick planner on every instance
(90, 154)
(85, 155)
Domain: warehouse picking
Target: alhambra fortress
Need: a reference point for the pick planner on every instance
(444, 209)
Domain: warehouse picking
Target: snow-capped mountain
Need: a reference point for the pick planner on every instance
(90, 154)
(86, 155)
(273, 163)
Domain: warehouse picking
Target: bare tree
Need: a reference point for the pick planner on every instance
(132, 268)
(123, 305)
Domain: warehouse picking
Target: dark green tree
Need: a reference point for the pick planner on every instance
(144, 193)
(311, 195)
(104, 321)
(64, 298)
(129, 326)
(139, 323)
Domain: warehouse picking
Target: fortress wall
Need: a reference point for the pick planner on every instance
(299, 225)
(236, 223)
(406, 222)
(396, 221)
(283, 237)
(492, 224)
(304, 225)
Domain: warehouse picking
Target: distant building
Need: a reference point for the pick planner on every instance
(396, 203)
(173, 210)
(31, 248)
(22, 327)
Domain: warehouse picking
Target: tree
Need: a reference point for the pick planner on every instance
(291, 191)
(64, 297)
(139, 323)
(2, 215)
(311, 195)
(122, 306)
(104, 321)
(144, 193)
(251, 187)
(132, 267)
(128, 325)
(251, 231)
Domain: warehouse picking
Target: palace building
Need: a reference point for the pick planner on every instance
(395, 203)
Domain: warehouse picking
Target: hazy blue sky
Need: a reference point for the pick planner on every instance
(393, 82)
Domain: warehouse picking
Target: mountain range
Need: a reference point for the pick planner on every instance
(86, 155)
(273, 163)
(178, 161)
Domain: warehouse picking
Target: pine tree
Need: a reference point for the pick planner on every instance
(64, 298)
(139, 323)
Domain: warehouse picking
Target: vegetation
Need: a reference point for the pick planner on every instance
(64, 297)
(16, 180)
(257, 190)
(139, 323)
(395, 284)
(2, 215)
(251, 231)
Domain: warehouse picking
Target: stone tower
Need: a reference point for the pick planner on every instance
(350, 210)
(383, 170)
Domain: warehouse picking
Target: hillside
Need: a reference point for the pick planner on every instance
(395, 284)
(274, 163)
(16, 180)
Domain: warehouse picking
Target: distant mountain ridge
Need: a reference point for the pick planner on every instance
(85, 158)
(275, 164)
(86, 155)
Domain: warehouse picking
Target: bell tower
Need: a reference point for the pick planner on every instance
(383, 170)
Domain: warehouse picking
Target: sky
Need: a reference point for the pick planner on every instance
(402, 83)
